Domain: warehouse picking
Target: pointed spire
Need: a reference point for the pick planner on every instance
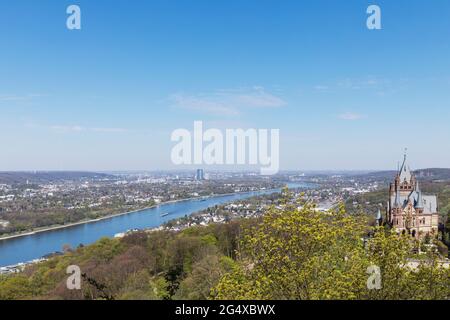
(419, 204)
(405, 172)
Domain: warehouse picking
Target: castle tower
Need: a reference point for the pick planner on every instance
(409, 210)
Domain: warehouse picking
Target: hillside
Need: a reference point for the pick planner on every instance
(431, 174)
(13, 177)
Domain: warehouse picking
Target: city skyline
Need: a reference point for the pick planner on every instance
(107, 97)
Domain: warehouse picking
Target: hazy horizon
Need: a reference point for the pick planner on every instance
(177, 170)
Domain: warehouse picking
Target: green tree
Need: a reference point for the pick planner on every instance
(296, 252)
(205, 275)
(15, 288)
(299, 253)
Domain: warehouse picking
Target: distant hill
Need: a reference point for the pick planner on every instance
(382, 174)
(48, 176)
(431, 174)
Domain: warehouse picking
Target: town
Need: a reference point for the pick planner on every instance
(31, 202)
(41, 201)
(44, 200)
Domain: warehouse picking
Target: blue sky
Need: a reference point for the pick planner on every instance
(108, 96)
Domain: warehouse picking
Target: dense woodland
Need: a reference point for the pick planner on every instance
(286, 254)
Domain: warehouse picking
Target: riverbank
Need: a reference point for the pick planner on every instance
(39, 243)
(74, 224)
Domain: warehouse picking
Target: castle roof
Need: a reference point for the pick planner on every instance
(426, 202)
(405, 171)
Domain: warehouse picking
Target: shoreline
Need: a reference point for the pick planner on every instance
(74, 224)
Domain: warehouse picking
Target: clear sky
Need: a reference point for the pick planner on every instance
(108, 96)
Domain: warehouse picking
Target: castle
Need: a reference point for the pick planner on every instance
(409, 210)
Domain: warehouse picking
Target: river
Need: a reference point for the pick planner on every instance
(34, 246)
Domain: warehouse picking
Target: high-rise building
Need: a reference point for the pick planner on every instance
(200, 175)
(409, 209)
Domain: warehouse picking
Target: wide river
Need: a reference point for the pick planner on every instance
(33, 246)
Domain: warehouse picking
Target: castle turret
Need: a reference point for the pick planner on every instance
(405, 177)
(397, 202)
(419, 203)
